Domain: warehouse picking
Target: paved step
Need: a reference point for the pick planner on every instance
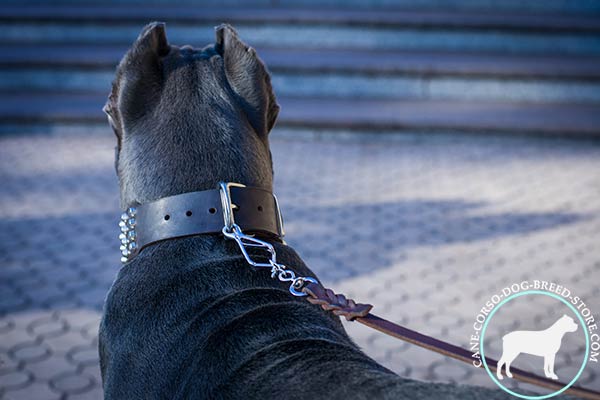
(315, 37)
(300, 16)
(561, 119)
(549, 119)
(333, 60)
(546, 6)
(337, 73)
(339, 84)
(358, 30)
(404, 69)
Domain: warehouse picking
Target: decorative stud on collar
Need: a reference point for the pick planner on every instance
(128, 235)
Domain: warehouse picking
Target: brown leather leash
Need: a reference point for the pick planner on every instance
(352, 311)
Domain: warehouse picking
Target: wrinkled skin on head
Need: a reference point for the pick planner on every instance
(187, 118)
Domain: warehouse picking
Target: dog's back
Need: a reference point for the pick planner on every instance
(190, 319)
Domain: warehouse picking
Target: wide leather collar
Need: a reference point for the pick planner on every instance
(255, 210)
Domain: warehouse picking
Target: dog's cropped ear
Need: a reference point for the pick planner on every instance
(152, 41)
(139, 73)
(249, 78)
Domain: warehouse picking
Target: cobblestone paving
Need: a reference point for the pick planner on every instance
(425, 228)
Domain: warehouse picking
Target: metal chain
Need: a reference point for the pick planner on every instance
(281, 271)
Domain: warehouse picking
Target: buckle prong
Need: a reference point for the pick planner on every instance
(226, 203)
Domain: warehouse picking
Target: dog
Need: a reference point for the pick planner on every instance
(189, 318)
(544, 343)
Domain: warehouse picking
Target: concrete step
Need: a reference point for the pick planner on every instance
(338, 73)
(446, 69)
(277, 27)
(536, 6)
(340, 85)
(376, 115)
(101, 57)
(302, 16)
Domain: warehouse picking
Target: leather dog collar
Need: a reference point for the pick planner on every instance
(196, 213)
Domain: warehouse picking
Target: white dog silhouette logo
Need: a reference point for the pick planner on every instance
(544, 343)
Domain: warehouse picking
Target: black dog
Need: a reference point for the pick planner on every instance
(189, 318)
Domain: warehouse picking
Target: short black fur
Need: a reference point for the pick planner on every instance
(188, 318)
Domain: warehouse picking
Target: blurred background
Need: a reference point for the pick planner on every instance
(447, 148)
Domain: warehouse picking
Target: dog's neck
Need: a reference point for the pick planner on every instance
(190, 167)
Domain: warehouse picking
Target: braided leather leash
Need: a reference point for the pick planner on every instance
(352, 311)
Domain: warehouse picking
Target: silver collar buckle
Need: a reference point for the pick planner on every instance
(229, 207)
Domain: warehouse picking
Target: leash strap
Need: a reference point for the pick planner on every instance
(352, 311)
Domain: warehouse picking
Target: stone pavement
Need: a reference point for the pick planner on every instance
(427, 228)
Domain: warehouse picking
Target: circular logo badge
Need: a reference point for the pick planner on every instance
(537, 344)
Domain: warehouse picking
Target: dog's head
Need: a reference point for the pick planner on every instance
(568, 324)
(186, 118)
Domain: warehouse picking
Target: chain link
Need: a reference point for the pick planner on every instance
(245, 242)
